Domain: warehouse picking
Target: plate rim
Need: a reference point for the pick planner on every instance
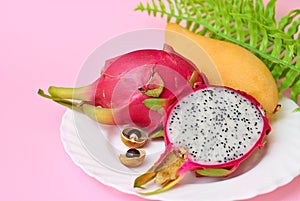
(69, 145)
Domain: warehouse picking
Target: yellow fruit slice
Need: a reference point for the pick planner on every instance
(226, 64)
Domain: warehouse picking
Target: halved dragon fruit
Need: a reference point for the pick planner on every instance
(210, 131)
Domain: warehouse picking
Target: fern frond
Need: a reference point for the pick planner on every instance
(248, 23)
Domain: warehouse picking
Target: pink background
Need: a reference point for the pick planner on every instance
(44, 43)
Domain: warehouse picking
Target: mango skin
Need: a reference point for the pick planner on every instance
(226, 64)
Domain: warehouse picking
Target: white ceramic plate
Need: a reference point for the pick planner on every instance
(95, 149)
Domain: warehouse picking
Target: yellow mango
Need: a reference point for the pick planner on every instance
(226, 64)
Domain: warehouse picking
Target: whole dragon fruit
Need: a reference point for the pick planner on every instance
(134, 88)
(210, 131)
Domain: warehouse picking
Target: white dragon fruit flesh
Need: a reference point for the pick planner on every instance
(210, 131)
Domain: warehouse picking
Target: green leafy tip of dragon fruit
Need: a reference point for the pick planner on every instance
(248, 23)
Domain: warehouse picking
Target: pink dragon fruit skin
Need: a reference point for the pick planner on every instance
(127, 82)
(175, 84)
(206, 133)
(152, 60)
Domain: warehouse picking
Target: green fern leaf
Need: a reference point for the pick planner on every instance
(248, 23)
